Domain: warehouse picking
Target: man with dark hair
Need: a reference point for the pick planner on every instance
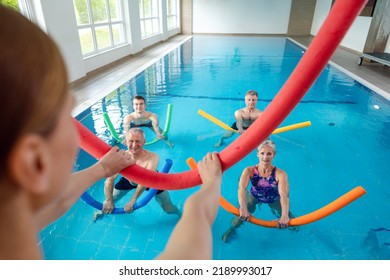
(142, 118)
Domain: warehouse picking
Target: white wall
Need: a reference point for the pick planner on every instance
(58, 19)
(321, 11)
(356, 36)
(209, 16)
(241, 16)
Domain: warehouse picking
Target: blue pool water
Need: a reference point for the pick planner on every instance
(347, 145)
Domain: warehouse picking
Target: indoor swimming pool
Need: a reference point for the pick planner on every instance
(347, 145)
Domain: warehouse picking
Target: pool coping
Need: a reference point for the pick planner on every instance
(357, 78)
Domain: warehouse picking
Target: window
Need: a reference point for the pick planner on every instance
(22, 6)
(100, 25)
(11, 3)
(149, 17)
(171, 14)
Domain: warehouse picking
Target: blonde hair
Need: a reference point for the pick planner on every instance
(33, 80)
(268, 143)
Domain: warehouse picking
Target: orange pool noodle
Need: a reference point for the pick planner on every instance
(299, 221)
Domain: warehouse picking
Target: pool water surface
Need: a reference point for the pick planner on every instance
(347, 145)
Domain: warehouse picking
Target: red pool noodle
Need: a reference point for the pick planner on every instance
(96, 147)
(337, 23)
(306, 72)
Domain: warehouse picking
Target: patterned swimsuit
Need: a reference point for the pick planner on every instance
(265, 190)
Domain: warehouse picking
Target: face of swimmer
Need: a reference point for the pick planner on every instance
(266, 152)
(139, 105)
(251, 101)
(135, 141)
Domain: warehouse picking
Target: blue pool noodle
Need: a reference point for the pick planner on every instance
(142, 201)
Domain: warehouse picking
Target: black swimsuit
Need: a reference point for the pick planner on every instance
(147, 124)
(124, 185)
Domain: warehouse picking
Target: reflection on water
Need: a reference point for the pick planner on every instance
(347, 145)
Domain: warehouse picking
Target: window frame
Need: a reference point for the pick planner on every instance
(172, 15)
(154, 16)
(94, 26)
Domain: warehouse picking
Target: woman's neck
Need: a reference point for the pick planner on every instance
(265, 168)
(18, 233)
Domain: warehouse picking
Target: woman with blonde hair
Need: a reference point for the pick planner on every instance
(268, 185)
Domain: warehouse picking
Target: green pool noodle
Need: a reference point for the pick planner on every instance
(115, 135)
(166, 127)
(111, 128)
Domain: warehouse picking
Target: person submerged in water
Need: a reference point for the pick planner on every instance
(142, 118)
(38, 152)
(135, 141)
(268, 185)
(244, 117)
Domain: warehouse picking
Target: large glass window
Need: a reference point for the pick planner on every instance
(149, 17)
(172, 20)
(22, 6)
(11, 3)
(100, 25)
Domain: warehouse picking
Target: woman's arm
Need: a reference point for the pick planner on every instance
(242, 185)
(111, 163)
(284, 198)
(192, 236)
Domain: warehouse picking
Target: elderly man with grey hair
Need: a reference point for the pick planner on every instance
(135, 141)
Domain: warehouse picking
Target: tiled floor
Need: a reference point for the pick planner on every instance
(373, 75)
(98, 84)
